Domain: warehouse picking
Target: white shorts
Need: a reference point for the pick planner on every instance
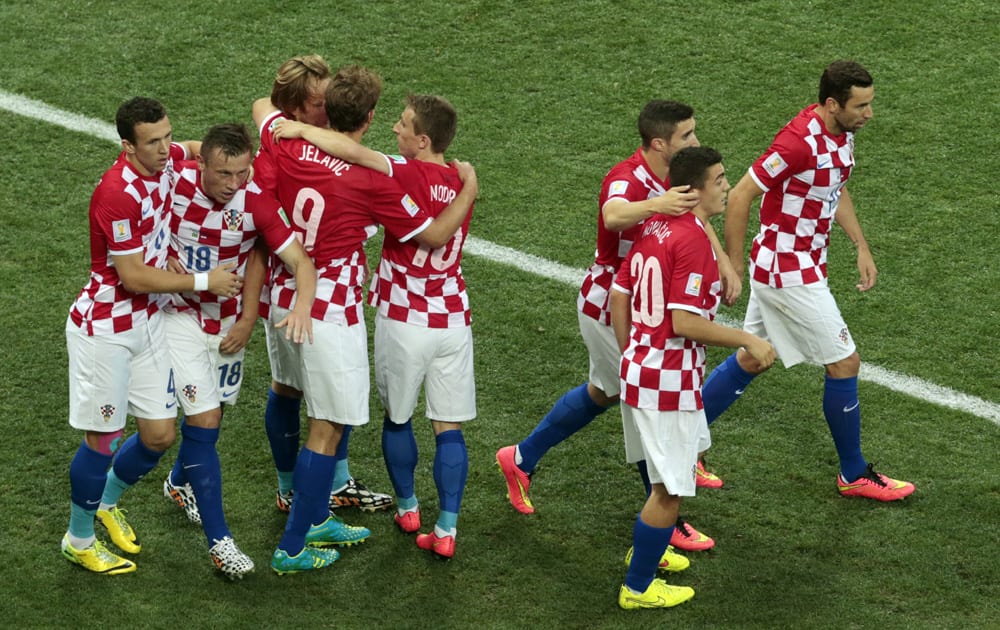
(284, 369)
(333, 370)
(605, 356)
(670, 442)
(112, 376)
(803, 323)
(204, 377)
(438, 359)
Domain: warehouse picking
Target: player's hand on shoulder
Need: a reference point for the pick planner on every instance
(223, 282)
(466, 172)
(677, 200)
(285, 128)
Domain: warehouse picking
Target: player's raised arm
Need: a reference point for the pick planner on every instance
(620, 214)
(333, 142)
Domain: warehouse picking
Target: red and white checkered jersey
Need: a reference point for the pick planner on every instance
(415, 284)
(129, 214)
(630, 180)
(671, 267)
(206, 234)
(264, 176)
(334, 207)
(802, 174)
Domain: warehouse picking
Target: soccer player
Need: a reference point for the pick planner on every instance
(632, 191)
(118, 361)
(335, 206)
(298, 91)
(423, 334)
(216, 218)
(664, 299)
(802, 177)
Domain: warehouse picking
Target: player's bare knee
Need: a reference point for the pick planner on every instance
(599, 397)
(157, 435)
(206, 420)
(845, 368)
(284, 390)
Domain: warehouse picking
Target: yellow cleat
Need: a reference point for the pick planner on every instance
(670, 561)
(118, 528)
(658, 595)
(97, 558)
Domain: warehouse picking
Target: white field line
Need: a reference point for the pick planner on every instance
(903, 383)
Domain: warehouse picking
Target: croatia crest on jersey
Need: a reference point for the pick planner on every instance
(234, 219)
(190, 392)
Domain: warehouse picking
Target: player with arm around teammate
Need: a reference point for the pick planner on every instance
(217, 216)
(664, 299)
(298, 91)
(631, 192)
(334, 205)
(803, 178)
(118, 361)
(423, 334)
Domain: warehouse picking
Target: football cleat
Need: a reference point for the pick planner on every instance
(96, 558)
(228, 558)
(874, 485)
(310, 558)
(705, 479)
(659, 594)
(670, 561)
(118, 528)
(334, 531)
(183, 497)
(517, 480)
(441, 546)
(356, 494)
(284, 501)
(688, 538)
(408, 522)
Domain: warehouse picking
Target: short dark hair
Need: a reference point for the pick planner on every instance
(659, 119)
(352, 95)
(435, 117)
(231, 139)
(838, 79)
(139, 109)
(689, 166)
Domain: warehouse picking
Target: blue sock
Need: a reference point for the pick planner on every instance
(313, 481)
(843, 415)
(571, 413)
(282, 423)
(177, 476)
(201, 464)
(644, 473)
(648, 545)
(399, 451)
(723, 386)
(88, 474)
(342, 471)
(131, 464)
(451, 468)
